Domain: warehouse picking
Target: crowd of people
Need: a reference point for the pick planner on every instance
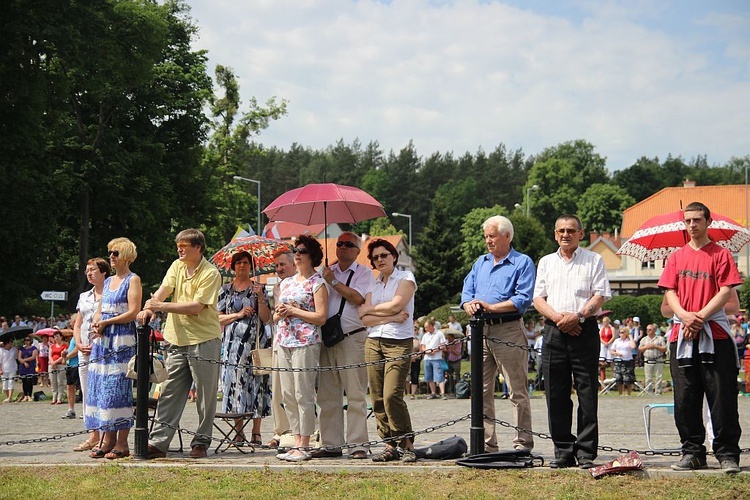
(575, 345)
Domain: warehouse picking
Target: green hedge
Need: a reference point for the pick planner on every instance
(646, 307)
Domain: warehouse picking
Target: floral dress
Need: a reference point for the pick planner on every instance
(243, 391)
(109, 394)
(293, 331)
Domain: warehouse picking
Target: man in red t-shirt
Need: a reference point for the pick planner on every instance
(698, 279)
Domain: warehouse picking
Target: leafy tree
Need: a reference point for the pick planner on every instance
(563, 173)
(228, 153)
(641, 179)
(600, 207)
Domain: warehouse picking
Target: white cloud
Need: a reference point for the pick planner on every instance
(466, 74)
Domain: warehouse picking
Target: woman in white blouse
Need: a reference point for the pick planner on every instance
(388, 313)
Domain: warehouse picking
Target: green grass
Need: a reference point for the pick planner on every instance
(185, 483)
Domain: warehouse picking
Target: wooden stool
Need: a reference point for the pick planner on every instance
(234, 436)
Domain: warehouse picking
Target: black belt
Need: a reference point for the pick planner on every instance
(502, 319)
(355, 331)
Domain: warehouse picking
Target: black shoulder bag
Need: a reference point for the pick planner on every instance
(331, 330)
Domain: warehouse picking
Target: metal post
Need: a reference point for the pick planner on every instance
(476, 433)
(143, 366)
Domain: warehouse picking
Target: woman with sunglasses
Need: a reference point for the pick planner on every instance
(109, 396)
(241, 303)
(388, 313)
(301, 310)
(97, 271)
(27, 356)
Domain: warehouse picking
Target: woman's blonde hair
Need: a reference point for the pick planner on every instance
(126, 248)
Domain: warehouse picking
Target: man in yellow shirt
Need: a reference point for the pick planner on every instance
(192, 328)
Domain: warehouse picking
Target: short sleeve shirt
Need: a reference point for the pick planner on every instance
(203, 287)
(292, 331)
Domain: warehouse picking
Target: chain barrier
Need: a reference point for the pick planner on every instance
(342, 446)
(58, 437)
(314, 368)
(80, 364)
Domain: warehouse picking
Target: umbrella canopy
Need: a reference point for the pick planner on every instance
(46, 332)
(324, 203)
(260, 249)
(15, 333)
(661, 235)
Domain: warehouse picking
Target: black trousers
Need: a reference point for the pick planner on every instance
(572, 361)
(28, 385)
(718, 381)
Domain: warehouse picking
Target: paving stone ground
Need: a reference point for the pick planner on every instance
(620, 422)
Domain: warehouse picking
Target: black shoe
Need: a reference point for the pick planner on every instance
(562, 463)
(690, 462)
(585, 463)
(323, 453)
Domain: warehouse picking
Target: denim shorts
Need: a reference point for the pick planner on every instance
(433, 370)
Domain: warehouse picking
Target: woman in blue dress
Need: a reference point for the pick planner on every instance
(109, 398)
(241, 302)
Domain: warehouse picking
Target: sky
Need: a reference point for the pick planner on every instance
(634, 78)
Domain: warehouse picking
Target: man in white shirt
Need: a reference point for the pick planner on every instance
(571, 285)
(433, 340)
(452, 323)
(333, 384)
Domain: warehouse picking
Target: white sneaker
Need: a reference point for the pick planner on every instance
(69, 414)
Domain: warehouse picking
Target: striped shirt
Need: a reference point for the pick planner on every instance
(568, 286)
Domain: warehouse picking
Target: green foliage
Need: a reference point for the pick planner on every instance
(646, 307)
(744, 295)
(563, 173)
(441, 314)
(600, 207)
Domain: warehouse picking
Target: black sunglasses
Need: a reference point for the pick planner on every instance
(114, 252)
(347, 244)
(380, 256)
(302, 251)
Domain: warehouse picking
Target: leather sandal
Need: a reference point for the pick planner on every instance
(115, 454)
(85, 446)
(387, 455)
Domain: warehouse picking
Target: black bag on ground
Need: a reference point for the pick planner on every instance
(463, 389)
(331, 331)
(453, 447)
(510, 459)
(40, 396)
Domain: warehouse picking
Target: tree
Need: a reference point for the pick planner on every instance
(563, 173)
(600, 207)
(230, 152)
(641, 179)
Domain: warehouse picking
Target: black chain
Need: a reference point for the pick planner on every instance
(342, 446)
(602, 448)
(58, 437)
(314, 368)
(84, 363)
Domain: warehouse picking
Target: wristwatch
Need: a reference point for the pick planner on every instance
(335, 282)
(581, 318)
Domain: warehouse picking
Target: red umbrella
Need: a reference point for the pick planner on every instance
(46, 332)
(661, 235)
(324, 203)
(261, 249)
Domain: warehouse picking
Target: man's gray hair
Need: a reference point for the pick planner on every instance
(500, 224)
(357, 240)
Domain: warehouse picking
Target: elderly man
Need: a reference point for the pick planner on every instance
(571, 285)
(500, 284)
(284, 261)
(193, 330)
(348, 284)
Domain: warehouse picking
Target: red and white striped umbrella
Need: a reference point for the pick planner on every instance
(661, 235)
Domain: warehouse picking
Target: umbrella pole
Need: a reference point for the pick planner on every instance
(325, 228)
